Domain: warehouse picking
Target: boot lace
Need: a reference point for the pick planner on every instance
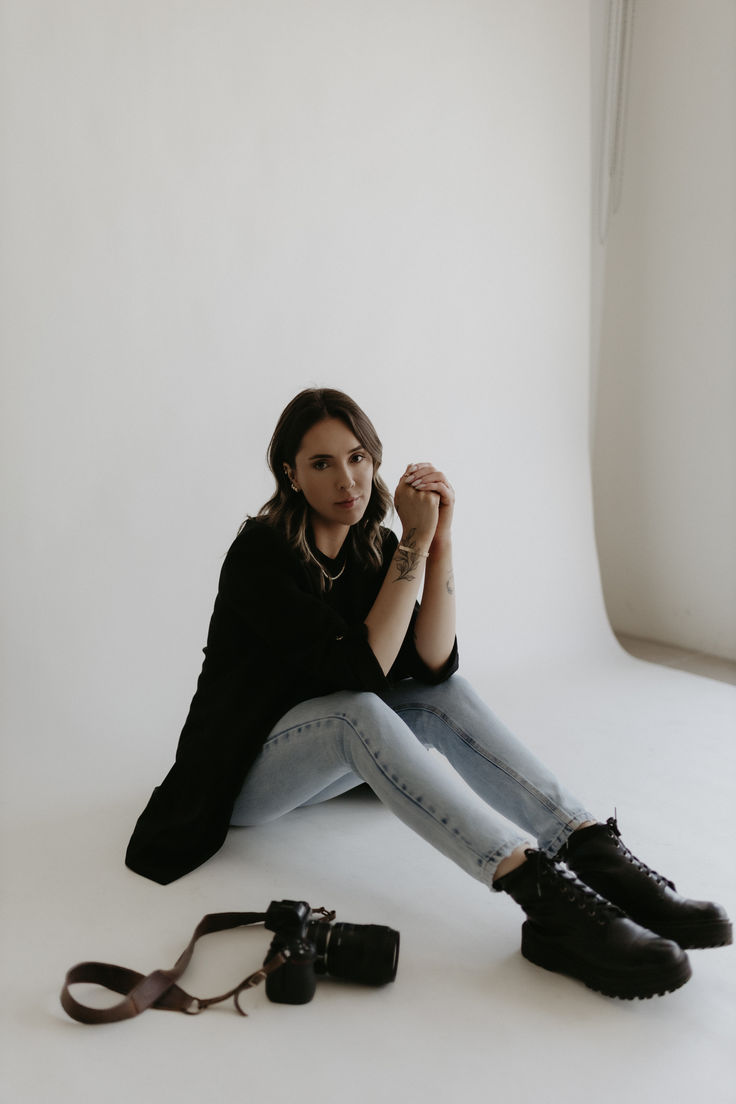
(564, 882)
(612, 825)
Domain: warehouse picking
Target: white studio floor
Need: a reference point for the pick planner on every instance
(467, 1017)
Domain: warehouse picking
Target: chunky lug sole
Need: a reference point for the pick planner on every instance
(639, 983)
(691, 937)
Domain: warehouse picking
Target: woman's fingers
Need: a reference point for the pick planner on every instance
(424, 477)
(425, 474)
(419, 473)
(441, 488)
(413, 472)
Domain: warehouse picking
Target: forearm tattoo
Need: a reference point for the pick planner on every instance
(406, 560)
(450, 584)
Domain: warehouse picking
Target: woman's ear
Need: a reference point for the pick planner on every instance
(290, 477)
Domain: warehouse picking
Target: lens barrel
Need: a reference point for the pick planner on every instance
(368, 953)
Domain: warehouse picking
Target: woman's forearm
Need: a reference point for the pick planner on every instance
(391, 612)
(435, 627)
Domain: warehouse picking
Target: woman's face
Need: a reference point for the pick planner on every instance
(335, 474)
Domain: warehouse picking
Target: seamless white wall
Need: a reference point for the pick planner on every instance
(209, 206)
(665, 439)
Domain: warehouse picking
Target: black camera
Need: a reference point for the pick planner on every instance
(368, 953)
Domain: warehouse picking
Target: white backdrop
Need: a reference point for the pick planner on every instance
(207, 206)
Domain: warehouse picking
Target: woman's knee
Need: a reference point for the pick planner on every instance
(362, 708)
(456, 689)
(457, 684)
(370, 726)
(462, 693)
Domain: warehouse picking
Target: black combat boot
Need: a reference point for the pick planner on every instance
(571, 930)
(602, 861)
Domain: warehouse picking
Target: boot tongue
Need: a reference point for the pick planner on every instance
(592, 834)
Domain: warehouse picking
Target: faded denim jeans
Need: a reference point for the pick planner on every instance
(325, 746)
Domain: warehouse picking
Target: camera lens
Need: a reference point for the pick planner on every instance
(368, 953)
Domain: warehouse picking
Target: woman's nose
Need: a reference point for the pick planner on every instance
(346, 478)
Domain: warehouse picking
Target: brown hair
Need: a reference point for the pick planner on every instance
(288, 511)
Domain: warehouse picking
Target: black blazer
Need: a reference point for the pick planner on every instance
(274, 640)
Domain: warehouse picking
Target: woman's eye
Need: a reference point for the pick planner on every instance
(320, 465)
(358, 457)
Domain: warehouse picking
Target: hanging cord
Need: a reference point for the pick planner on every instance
(619, 38)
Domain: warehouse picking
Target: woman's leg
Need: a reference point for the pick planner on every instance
(322, 746)
(326, 745)
(453, 719)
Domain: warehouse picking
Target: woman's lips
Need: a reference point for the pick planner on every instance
(347, 503)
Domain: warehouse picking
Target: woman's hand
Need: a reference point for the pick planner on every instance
(425, 479)
(418, 510)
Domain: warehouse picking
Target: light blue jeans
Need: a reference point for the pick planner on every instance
(325, 746)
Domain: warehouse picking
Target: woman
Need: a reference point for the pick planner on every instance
(322, 671)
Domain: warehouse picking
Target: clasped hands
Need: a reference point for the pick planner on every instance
(425, 502)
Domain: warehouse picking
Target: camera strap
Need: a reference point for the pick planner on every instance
(159, 989)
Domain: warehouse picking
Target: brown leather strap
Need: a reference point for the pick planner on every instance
(159, 989)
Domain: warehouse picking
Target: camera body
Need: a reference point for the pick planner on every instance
(367, 953)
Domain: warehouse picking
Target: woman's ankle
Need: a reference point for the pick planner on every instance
(512, 861)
